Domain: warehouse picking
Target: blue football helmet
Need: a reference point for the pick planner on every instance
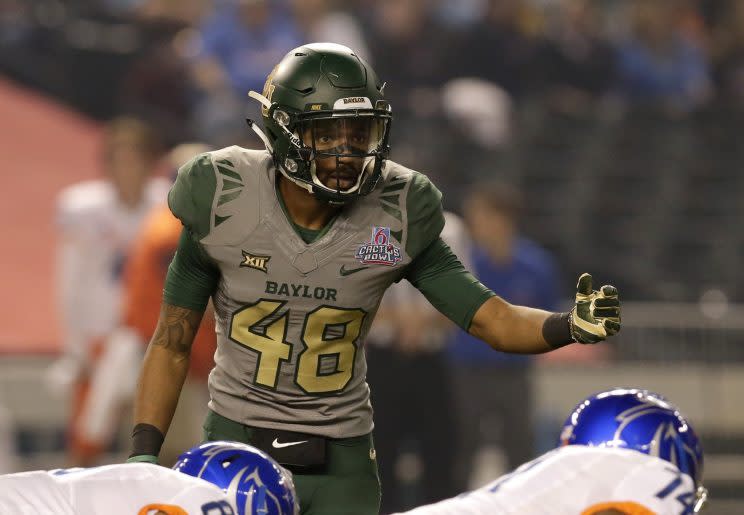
(255, 482)
(639, 420)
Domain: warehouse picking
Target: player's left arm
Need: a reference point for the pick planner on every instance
(520, 329)
(441, 277)
(507, 327)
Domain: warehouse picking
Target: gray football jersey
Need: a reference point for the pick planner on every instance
(291, 316)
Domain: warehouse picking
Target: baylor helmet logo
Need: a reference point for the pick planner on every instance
(268, 90)
(253, 261)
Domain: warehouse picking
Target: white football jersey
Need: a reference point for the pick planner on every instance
(577, 480)
(123, 489)
(97, 231)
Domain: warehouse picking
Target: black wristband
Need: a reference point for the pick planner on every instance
(146, 439)
(557, 330)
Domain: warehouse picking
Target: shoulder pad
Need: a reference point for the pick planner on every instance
(192, 195)
(423, 206)
(217, 194)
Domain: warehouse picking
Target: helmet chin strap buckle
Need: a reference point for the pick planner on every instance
(290, 165)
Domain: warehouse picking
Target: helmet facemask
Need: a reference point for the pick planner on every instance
(327, 121)
(348, 144)
(335, 154)
(345, 151)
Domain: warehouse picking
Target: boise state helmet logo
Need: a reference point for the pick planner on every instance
(380, 250)
(253, 495)
(636, 419)
(252, 480)
(666, 442)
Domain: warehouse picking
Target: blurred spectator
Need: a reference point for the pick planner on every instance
(411, 52)
(158, 85)
(481, 110)
(459, 14)
(502, 47)
(239, 42)
(15, 22)
(98, 221)
(144, 275)
(233, 54)
(323, 20)
(412, 393)
(186, 13)
(658, 64)
(578, 62)
(494, 390)
(728, 54)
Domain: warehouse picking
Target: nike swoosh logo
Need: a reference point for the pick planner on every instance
(348, 271)
(276, 445)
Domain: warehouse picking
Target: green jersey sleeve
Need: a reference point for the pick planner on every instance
(424, 212)
(191, 197)
(445, 282)
(192, 275)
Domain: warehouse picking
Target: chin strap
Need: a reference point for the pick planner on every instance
(262, 99)
(260, 134)
(301, 184)
(265, 102)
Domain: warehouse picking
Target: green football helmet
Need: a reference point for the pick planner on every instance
(323, 102)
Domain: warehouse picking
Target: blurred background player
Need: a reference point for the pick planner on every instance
(622, 452)
(411, 385)
(236, 47)
(99, 221)
(493, 390)
(144, 278)
(228, 479)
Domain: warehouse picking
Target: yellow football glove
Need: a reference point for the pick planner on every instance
(596, 314)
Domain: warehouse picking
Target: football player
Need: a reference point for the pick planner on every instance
(98, 221)
(296, 245)
(622, 452)
(143, 280)
(229, 478)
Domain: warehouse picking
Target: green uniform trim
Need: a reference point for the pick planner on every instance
(349, 483)
(446, 284)
(192, 275)
(190, 199)
(143, 458)
(424, 211)
(307, 235)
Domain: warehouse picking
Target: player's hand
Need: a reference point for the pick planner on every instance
(596, 314)
(143, 458)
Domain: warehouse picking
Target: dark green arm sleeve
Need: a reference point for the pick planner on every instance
(425, 217)
(192, 275)
(443, 280)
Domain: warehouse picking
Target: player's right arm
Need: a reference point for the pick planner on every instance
(162, 376)
(192, 279)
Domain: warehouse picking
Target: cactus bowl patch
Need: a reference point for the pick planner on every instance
(380, 250)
